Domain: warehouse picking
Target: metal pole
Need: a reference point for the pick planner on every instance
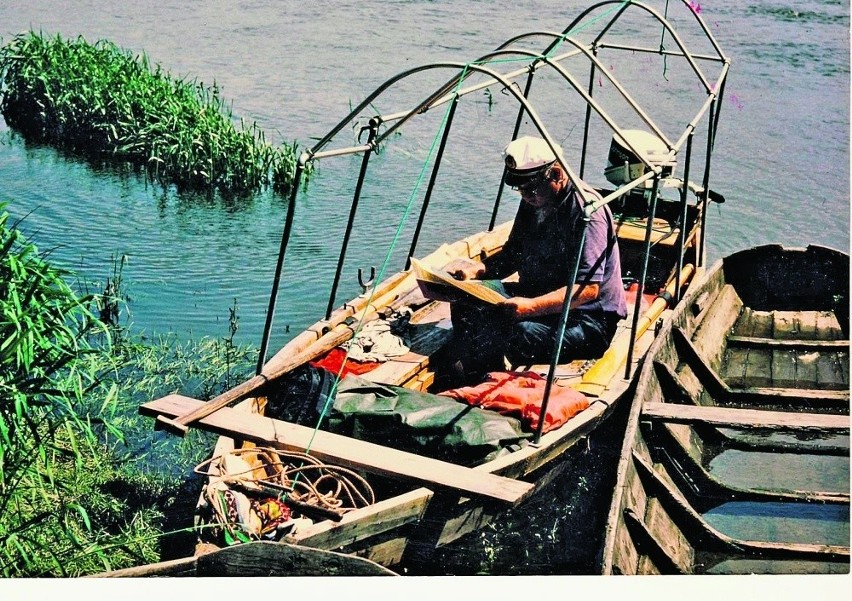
(637, 305)
(432, 179)
(373, 129)
(711, 133)
(681, 242)
(563, 320)
(285, 238)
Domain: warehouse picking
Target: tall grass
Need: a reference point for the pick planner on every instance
(85, 483)
(102, 101)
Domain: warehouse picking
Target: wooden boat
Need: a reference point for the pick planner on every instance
(427, 497)
(736, 458)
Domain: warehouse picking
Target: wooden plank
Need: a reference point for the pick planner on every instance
(365, 523)
(772, 343)
(785, 325)
(825, 374)
(754, 323)
(783, 369)
(721, 391)
(758, 368)
(348, 452)
(709, 337)
(734, 367)
(662, 232)
(668, 535)
(745, 418)
(828, 327)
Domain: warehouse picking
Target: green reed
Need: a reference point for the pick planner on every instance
(102, 101)
(86, 484)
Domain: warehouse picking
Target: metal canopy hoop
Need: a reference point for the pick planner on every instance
(499, 70)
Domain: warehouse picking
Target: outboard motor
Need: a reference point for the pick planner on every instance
(623, 166)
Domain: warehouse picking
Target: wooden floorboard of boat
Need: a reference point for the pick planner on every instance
(745, 418)
(789, 343)
(348, 452)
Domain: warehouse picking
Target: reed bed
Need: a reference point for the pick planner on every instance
(102, 101)
(86, 485)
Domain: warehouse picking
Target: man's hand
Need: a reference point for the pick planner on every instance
(465, 269)
(519, 308)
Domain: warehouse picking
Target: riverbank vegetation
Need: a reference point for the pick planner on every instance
(86, 485)
(100, 101)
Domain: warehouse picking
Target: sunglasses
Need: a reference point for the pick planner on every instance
(533, 184)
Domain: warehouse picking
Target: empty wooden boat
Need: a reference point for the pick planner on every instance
(736, 458)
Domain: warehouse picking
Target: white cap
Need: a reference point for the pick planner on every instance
(526, 157)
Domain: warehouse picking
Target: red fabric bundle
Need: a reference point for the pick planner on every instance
(520, 394)
(334, 359)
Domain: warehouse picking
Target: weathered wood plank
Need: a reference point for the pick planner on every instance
(744, 418)
(828, 327)
(348, 452)
(720, 390)
(754, 341)
(668, 535)
(734, 365)
(758, 368)
(364, 523)
(754, 323)
(709, 337)
(783, 369)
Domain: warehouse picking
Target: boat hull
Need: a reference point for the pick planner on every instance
(743, 397)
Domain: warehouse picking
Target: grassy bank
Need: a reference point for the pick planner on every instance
(86, 484)
(99, 100)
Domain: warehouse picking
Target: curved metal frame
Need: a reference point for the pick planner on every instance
(451, 91)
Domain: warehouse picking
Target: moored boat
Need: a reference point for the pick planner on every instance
(736, 457)
(442, 469)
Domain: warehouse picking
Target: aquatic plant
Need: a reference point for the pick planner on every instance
(44, 436)
(102, 101)
(86, 484)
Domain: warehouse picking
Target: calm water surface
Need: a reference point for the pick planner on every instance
(782, 154)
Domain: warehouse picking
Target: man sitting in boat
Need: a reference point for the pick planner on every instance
(542, 249)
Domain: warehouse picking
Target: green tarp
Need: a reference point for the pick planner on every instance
(423, 423)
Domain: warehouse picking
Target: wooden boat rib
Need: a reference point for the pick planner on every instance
(767, 413)
(424, 502)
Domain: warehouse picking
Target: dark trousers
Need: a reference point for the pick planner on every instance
(483, 336)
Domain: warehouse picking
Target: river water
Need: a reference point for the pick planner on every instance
(782, 152)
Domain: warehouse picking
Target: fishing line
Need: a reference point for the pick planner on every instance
(394, 242)
(410, 203)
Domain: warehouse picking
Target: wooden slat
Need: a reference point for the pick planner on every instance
(347, 452)
(783, 369)
(755, 341)
(745, 418)
(662, 233)
(364, 523)
(828, 327)
(709, 337)
(720, 390)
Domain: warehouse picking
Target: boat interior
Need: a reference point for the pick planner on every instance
(739, 459)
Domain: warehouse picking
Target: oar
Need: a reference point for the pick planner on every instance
(283, 362)
(595, 380)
